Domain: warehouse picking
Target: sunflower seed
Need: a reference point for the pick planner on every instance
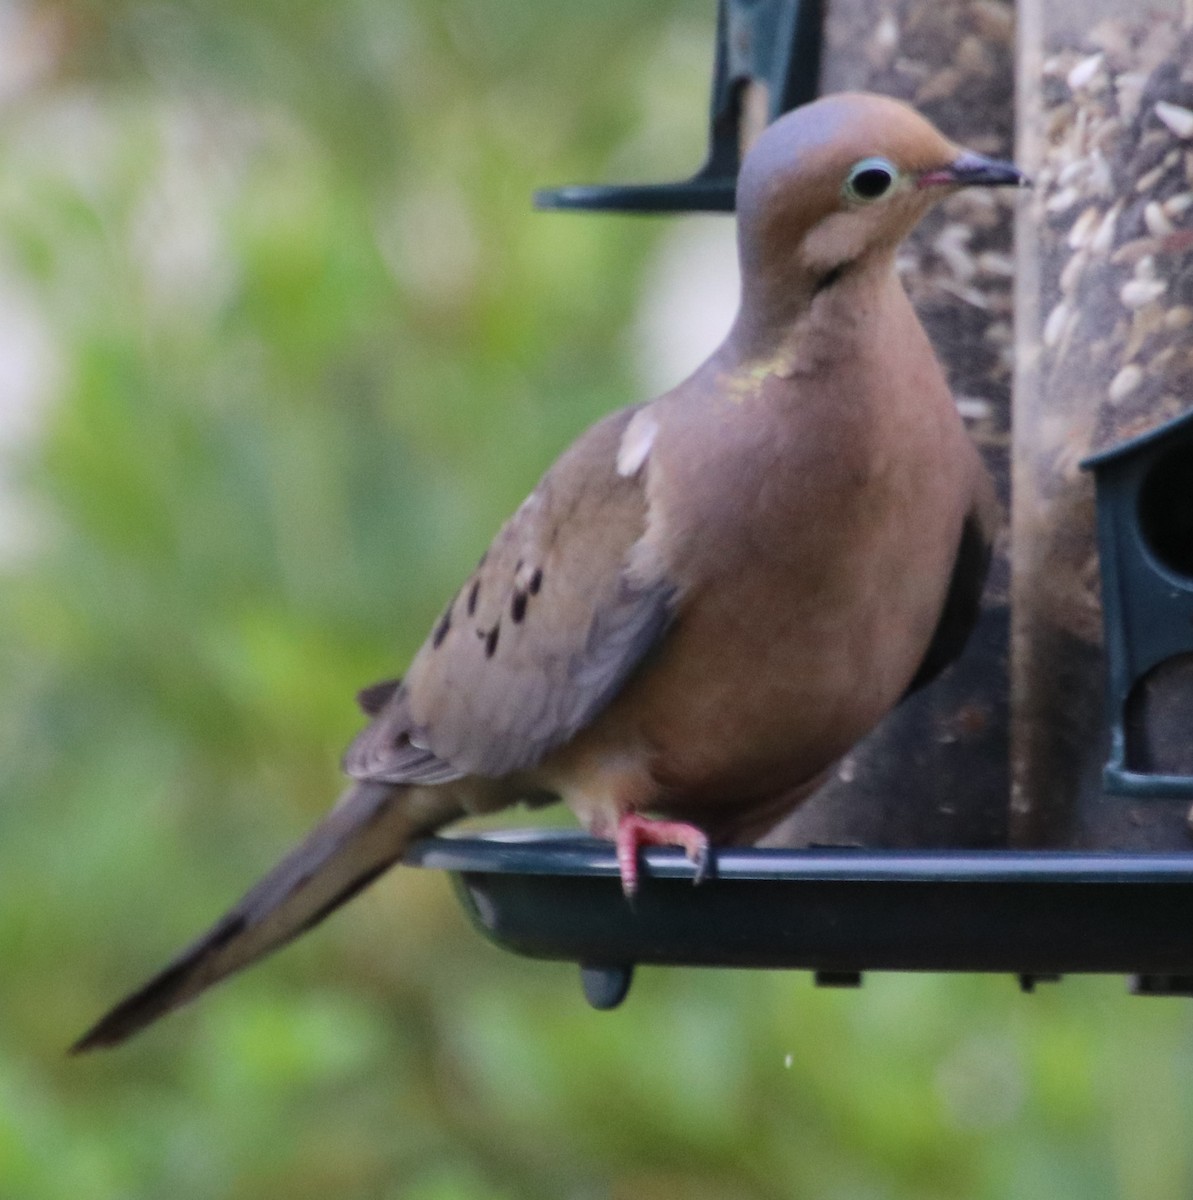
(1083, 228)
(1125, 382)
(1139, 292)
(1178, 119)
(1083, 72)
(1056, 325)
(1176, 206)
(1156, 219)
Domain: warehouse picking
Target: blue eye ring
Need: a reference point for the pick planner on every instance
(869, 180)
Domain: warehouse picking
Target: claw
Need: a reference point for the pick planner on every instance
(703, 861)
(634, 830)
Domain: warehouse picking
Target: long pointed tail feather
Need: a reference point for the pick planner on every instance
(366, 832)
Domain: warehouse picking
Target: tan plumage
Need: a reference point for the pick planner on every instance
(709, 598)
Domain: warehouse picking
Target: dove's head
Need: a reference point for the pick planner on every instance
(839, 183)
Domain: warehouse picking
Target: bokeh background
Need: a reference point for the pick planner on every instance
(281, 342)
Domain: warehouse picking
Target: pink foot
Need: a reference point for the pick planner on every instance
(634, 831)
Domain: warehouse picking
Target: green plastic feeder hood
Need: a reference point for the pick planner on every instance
(1144, 489)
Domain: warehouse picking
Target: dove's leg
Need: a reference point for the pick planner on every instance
(634, 830)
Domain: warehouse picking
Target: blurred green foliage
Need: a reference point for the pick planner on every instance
(300, 344)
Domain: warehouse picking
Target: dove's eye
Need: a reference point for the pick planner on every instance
(869, 180)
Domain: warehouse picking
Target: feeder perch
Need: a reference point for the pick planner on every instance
(1144, 489)
(771, 44)
(551, 894)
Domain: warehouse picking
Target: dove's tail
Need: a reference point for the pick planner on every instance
(366, 832)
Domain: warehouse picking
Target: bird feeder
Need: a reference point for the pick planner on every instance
(1144, 498)
(926, 852)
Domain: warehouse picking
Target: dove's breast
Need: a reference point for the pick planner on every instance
(812, 542)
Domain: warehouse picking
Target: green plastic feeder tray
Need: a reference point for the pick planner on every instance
(835, 912)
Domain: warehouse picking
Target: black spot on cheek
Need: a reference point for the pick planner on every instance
(536, 581)
(831, 276)
(518, 607)
(473, 594)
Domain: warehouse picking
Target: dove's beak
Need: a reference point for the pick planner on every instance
(974, 170)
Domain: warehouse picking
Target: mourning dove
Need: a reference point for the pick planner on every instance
(709, 598)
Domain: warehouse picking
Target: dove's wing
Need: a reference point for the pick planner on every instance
(543, 634)
(963, 601)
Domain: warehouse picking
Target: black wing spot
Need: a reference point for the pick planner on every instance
(491, 640)
(473, 595)
(536, 581)
(518, 607)
(441, 630)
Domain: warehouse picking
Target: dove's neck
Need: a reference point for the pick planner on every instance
(804, 313)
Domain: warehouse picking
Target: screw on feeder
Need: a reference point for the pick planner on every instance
(771, 45)
(605, 987)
